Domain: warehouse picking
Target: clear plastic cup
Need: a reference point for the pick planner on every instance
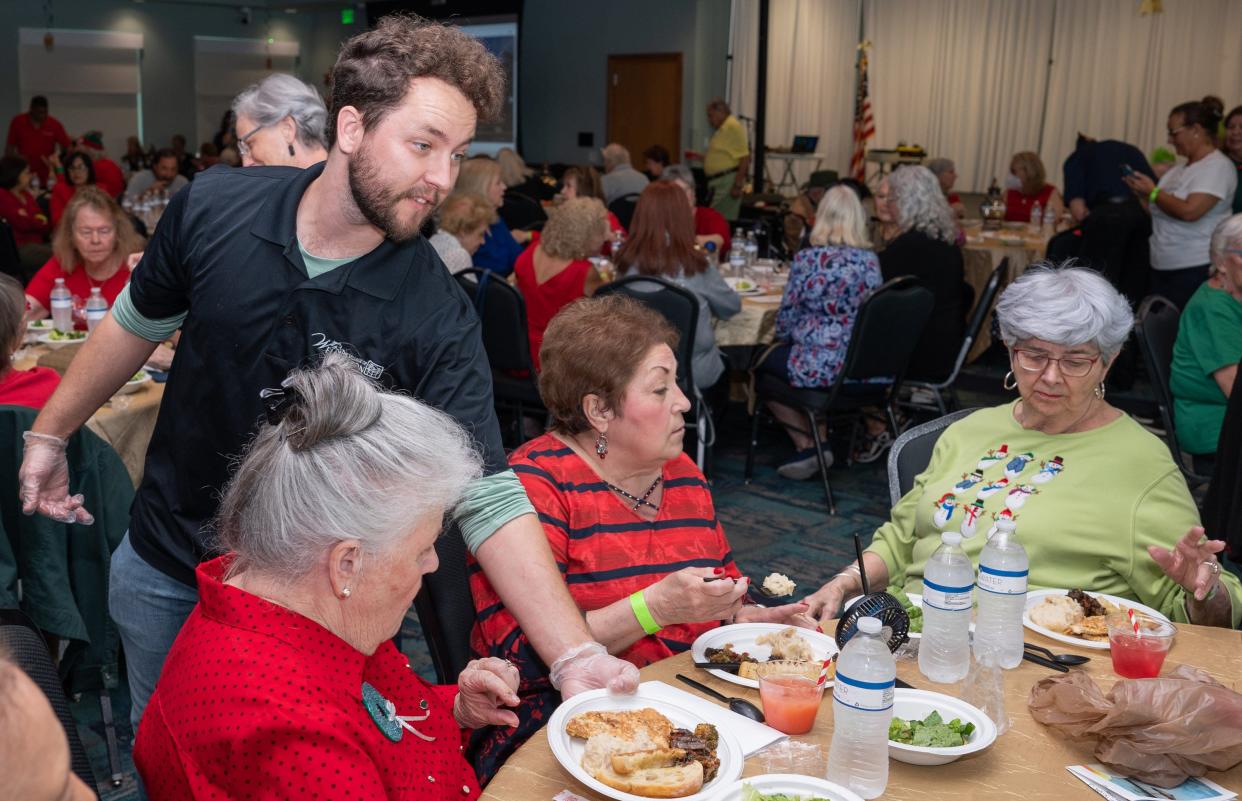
(1138, 656)
(791, 700)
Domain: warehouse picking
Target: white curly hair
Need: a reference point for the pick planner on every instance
(920, 203)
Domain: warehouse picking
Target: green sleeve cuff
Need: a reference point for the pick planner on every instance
(134, 322)
(488, 504)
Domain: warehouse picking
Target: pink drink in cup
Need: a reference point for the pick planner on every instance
(790, 699)
(1138, 655)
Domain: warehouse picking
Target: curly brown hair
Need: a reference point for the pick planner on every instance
(373, 70)
(127, 239)
(575, 229)
(594, 346)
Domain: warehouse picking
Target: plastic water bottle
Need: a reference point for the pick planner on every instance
(96, 309)
(1050, 222)
(1003, 571)
(752, 249)
(62, 307)
(737, 254)
(34, 183)
(862, 707)
(618, 242)
(944, 653)
(1037, 217)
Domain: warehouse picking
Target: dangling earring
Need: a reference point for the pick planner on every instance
(291, 153)
(1100, 390)
(601, 446)
(1009, 377)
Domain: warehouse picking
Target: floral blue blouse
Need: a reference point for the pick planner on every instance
(826, 287)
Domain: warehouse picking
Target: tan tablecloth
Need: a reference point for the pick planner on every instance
(125, 422)
(1027, 763)
(755, 324)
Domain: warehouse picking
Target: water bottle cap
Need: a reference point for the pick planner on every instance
(60, 281)
(869, 625)
(951, 538)
(95, 290)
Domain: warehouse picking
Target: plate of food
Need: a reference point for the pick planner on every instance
(628, 747)
(135, 383)
(1076, 617)
(931, 728)
(743, 286)
(57, 339)
(785, 787)
(40, 326)
(751, 644)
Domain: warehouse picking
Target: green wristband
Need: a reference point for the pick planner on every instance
(639, 604)
(1152, 197)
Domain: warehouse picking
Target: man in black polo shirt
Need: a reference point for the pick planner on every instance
(263, 269)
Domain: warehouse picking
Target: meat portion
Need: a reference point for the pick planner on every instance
(699, 745)
(1090, 606)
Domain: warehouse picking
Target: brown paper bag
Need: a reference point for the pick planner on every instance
(1160, 731)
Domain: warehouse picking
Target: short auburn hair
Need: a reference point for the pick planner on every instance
(661, 240)
(594, 346)
(374, 69)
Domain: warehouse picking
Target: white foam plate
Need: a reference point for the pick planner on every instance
(1037, 596)
(569, 750)
(135, 384)
(751, 287)
(918, 704)
(40, 326)
(46, 339)
(791, 784)
(743, 636)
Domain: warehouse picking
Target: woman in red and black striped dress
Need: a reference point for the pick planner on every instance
(628, 515)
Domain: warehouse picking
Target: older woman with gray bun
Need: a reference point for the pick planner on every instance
(1099, 497)
(284, 679)
(280, 122)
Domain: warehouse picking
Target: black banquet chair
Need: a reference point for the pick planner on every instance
(890, 321)
(502, 312)
(911, 453)
(624, 207)
(1156, 329)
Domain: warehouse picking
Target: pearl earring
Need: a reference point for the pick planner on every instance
(345, 592)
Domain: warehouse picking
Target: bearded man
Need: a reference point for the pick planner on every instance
(263, 269)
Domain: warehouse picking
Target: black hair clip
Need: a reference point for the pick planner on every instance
(277, 401)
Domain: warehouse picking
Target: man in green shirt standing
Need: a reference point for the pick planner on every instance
(727, 159)
(1209, 345)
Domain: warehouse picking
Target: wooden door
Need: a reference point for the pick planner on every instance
(644, 103)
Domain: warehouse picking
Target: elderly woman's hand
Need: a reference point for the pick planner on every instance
(1192, 562)
(822, 605)
(787, 614)
(484, 688)
(684, 596)
(1139, 183)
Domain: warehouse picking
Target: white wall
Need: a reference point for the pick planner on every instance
(564, 58)
(168, 56)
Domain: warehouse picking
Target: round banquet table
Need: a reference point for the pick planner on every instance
(125, 422)
(1027, 763)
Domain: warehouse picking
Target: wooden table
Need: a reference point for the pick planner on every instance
(125, 422)
(1027, 763)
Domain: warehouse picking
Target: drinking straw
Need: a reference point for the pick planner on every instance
(1133, 622)
(823, 671)
(862, 571)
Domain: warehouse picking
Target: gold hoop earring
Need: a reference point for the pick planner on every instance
(1009, 376)
(601, 446)
(1100, 390)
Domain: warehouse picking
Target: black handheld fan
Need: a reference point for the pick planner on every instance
(880, 605)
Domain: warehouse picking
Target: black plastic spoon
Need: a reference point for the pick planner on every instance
(1063, 659)
(739, 705)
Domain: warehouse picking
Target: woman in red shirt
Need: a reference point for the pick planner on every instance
(1028, 186)
(628, 514)
(284, 681)
(21, 210)
(78, 172)
(19, 387)
(90, 249)
(584, 182)
(555, 270)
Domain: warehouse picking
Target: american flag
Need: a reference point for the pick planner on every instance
(864, 123)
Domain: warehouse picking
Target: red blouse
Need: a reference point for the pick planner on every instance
(544, 300)
(258, 702)
(29, 388)
(77, 282)
(23, 214)
(1018, 206)
(708, 221)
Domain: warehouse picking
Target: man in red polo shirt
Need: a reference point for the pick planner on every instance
(35, 135)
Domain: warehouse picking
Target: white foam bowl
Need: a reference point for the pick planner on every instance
(918, 704)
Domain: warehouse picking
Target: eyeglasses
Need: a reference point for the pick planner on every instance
(243, 147)
(1034, 361)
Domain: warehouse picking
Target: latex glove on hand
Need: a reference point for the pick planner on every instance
(589, 666)
(484, 688)
(43, 481)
